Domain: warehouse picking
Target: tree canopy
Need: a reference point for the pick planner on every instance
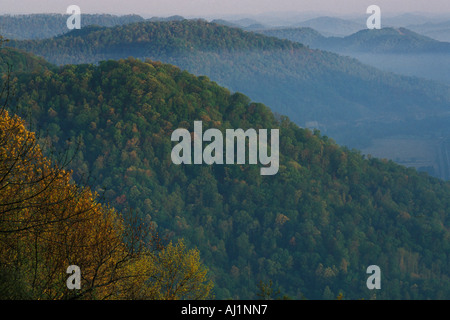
(48, 223)
(311, 230)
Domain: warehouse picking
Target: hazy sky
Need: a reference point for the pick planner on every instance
(222, 7)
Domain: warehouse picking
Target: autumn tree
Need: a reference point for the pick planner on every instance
(177, 273)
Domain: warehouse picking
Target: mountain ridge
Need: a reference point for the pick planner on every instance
(385, 40)
(350, 101)
(42, 26)
(312, 228)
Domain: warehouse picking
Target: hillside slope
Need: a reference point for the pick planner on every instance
(386, 40)
(41, 26)
(355, 104)
(313, 228)
(21, 61)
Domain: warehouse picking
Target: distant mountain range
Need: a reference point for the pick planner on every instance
(386, 40)
(310, 231)
(328, 26)
(397, 50)
(439, 31)
(41, 26)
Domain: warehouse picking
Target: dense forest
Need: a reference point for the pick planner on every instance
(310, 231)
(355, 104)
(20, 61)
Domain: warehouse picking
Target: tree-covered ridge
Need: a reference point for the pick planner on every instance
(304, 35)
(19, 61)
(395, 40)
(312, 229)
(385, 40)
(353, 103)
(149, 39)
(41, 26)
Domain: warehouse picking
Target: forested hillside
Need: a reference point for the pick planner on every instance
(386, 40)
(312, 229)
(357, 105)
(41, 26)
(20, 61)
(48, 223)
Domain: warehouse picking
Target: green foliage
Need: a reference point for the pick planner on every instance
(349, 101)
(20, 61)
(313, 228)
(41, 26)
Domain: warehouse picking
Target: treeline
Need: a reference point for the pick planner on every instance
(311, 230)
(20, 61)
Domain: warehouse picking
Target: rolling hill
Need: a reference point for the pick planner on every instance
(386, 40)
(41, 26)
(20, 61)
(359, 106)
(332, 26)
(312, 229)
(436, 30)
